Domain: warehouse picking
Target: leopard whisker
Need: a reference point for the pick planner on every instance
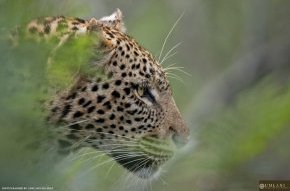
(138, 165)
(178, 69)
(103, 163)
(93, 152)
(94, 157)
(116, 151)
(130, 180)
(78, 143)
(96, 152)
(143, 164)
(135, 160)
(171, 55)
(167, 36)
(85, 154)
(111, 167)
(168, 53)
(174, 76)
(170, 65)
(75, 123)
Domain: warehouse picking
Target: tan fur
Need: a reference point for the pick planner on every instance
(135, 101)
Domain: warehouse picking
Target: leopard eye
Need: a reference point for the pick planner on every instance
(140, 91)
(144, 93)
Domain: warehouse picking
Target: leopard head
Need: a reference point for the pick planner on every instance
(131, 115)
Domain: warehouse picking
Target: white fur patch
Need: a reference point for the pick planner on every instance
(114, 20)
(117, 15)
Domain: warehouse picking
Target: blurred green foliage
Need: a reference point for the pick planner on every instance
(22, 81)
(242, 141)
(236, 143)
(72, 59)
(27, 82)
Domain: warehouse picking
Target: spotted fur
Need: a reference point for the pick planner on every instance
(132, 111)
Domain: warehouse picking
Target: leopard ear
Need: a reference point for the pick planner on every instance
(107, 44)
(115, 21)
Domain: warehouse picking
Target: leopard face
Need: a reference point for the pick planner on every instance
(131, 115)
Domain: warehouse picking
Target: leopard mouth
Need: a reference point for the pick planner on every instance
(142, 166)
(145, 159)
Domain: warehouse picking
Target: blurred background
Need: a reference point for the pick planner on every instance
(234, 95)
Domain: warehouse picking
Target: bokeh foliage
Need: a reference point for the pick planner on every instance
(32, 70)
(239, 118)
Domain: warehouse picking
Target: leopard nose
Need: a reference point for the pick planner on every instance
(178, 141)
(180, 134)
(177, 127)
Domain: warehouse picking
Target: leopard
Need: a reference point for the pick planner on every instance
(131, 114)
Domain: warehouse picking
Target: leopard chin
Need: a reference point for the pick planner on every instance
(146, 159)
